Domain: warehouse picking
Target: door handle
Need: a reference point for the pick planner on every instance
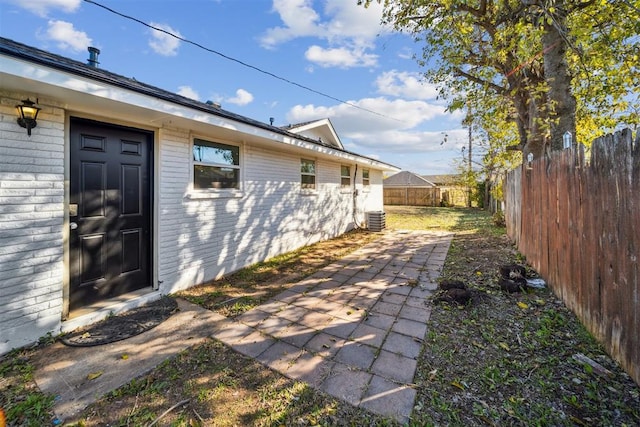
(73, 225)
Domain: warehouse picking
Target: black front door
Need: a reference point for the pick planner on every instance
(109, 211)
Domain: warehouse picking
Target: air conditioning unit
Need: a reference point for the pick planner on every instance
(376, 220)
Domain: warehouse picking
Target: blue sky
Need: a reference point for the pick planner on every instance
(333, 47)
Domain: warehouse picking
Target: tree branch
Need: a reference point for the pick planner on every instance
(501, 90)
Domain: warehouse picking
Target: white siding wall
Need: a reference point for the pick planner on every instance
(198, 239)
(203, 238)
(31, 219)
(372, 197)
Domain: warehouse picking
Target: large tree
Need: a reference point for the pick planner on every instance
(537, 55)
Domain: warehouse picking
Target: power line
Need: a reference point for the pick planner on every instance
(270, 74)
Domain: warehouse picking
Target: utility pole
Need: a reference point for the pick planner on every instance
(469, 188)
(468, 121)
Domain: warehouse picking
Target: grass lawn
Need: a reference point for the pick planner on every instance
(503, 359)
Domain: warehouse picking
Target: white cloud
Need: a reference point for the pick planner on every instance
(188, 92)
(391, 114)
(340, 57)
(299, 20)
(400, 127)
(405, 84)
(163, 43)
(42, 7)
(348, 29)
(67, 37)
(242, 98)
(340, 20)
(355, 22)
(418, 141)
(405, 53)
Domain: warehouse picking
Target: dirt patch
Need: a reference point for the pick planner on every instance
(123, 326)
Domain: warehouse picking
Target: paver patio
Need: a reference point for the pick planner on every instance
(355, 328)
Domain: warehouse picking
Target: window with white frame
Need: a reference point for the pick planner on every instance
(345, 176)
(365, 178)
(308, 174)
(215, 165)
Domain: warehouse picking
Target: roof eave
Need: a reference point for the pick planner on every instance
(41, 73)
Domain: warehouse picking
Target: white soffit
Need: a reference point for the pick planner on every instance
(82, 94)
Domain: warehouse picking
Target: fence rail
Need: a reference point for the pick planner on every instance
(412, 196)
(578, 224)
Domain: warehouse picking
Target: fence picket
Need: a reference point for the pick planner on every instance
(578, 225)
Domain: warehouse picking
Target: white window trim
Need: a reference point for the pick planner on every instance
(348, 176)
(215, 193)
(346, 189)
(309, 191)
(366, 188)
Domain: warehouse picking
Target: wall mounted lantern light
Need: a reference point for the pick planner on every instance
(27, 115)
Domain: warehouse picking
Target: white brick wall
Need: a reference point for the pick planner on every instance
(198, 239)
(31, 219)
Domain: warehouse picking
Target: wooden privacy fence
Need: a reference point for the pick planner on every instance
(578, 224)
(409, 196)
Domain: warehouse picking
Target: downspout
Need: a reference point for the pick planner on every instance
(355, 198)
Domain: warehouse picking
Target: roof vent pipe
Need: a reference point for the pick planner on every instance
(93, 56)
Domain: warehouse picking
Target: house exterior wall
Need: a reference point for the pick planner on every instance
(204, 237)
(196, 238)
(31, 224)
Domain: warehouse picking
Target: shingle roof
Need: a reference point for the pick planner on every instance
(41, 57)
(441, 179)
(297, 125)
(406, 179)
